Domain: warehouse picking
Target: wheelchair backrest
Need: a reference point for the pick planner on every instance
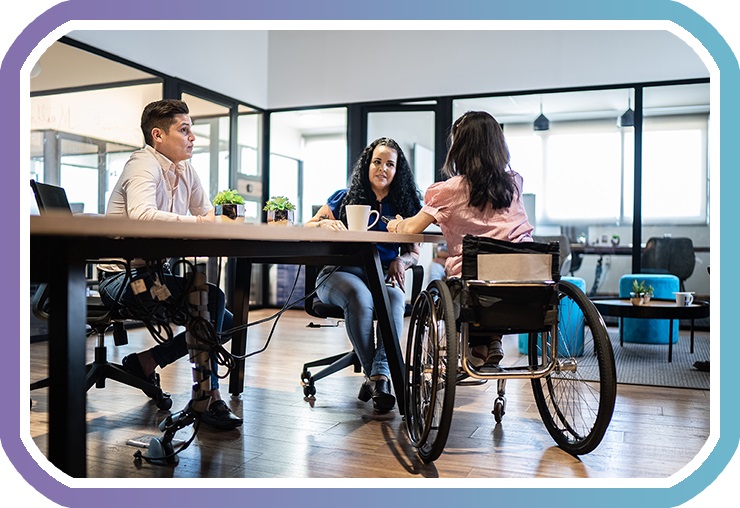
(509, 287)
(491, 259)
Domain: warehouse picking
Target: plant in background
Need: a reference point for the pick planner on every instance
(640, 288)
(278, 203)
(228, 197)
(641, 292)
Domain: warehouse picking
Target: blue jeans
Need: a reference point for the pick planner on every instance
(169, 352)
(347, 288)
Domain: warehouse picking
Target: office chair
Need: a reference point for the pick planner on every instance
(316, 308)
(99, 318)
(669, 255)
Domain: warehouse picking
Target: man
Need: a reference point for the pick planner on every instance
(159, 183)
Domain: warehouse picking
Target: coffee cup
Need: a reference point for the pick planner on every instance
(684, 298)
(358, 217)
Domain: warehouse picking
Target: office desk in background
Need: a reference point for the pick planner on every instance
(579, 250)
(60, 247)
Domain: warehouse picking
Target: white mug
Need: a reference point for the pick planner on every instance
(358, 217)
(684, 298)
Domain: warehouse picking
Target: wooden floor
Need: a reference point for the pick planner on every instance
(653, 434)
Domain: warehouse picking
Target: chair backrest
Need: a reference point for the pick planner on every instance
(522, 295)
(566, 257)
(50, 197)
(475, 246)
(669, 255)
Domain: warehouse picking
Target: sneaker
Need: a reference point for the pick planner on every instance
(477, 355)
(495, 352)
(219, 416)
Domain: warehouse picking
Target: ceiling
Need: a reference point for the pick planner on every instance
(52, 72)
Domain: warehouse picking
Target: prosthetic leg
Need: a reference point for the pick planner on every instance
(161, 450)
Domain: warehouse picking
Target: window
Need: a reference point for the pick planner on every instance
(674, 170)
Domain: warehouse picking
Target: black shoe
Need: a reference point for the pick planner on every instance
(219, 416)
(383, 399)
(132, 365)
(366, 390)
(702, 366)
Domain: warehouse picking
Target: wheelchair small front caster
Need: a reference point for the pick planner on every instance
(499, 409)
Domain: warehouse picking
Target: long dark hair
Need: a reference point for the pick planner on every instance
(403, 190)
(479, 153)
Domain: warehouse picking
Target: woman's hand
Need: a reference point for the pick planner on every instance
(397, 273)
(392, 225)
(335, 225)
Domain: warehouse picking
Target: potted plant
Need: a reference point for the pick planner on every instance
(229, 204)
(280, 211)
(641, 292)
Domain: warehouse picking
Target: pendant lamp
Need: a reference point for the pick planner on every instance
(541, 123)
(628, 117)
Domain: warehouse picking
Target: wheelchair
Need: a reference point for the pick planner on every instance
(510, 288)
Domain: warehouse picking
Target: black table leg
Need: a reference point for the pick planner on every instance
(240, 304)
(376, 283)
(692, 336)
(621, 332)
(67, 352)
(670, 343)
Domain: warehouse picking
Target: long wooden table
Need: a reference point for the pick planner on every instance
(60, 247)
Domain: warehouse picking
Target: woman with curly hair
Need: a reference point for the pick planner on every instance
(381, 178)
(481, 197)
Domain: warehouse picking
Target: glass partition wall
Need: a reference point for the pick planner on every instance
(581, 165)
(85, 123)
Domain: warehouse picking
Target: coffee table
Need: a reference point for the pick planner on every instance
(656, 308)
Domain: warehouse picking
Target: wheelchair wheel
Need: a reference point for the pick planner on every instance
(576, 402)
(431, 370)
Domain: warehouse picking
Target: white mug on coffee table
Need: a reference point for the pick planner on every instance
(684, 298)
(358, 217)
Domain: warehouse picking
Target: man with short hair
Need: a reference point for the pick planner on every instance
(159, 183)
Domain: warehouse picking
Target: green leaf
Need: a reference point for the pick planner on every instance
(228, 197)
(278, 203)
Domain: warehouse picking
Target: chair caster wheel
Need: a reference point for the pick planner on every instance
(164, 403)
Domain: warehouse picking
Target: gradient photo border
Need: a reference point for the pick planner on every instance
(406, 492)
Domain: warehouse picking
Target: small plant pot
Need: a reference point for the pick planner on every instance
(280, 217)
(229, 213)
(639, 299)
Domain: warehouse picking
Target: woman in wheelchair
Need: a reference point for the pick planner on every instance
(481, 197)
(381, 178)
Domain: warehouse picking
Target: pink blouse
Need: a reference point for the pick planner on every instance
(447, 202)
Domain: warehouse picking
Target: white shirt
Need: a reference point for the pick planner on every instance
(151, 187)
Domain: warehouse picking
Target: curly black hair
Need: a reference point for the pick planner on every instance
(403, 190)
(479, 153)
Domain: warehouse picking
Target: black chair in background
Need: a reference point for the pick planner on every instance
(669, 255)
(316, 308)
(99, 318)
